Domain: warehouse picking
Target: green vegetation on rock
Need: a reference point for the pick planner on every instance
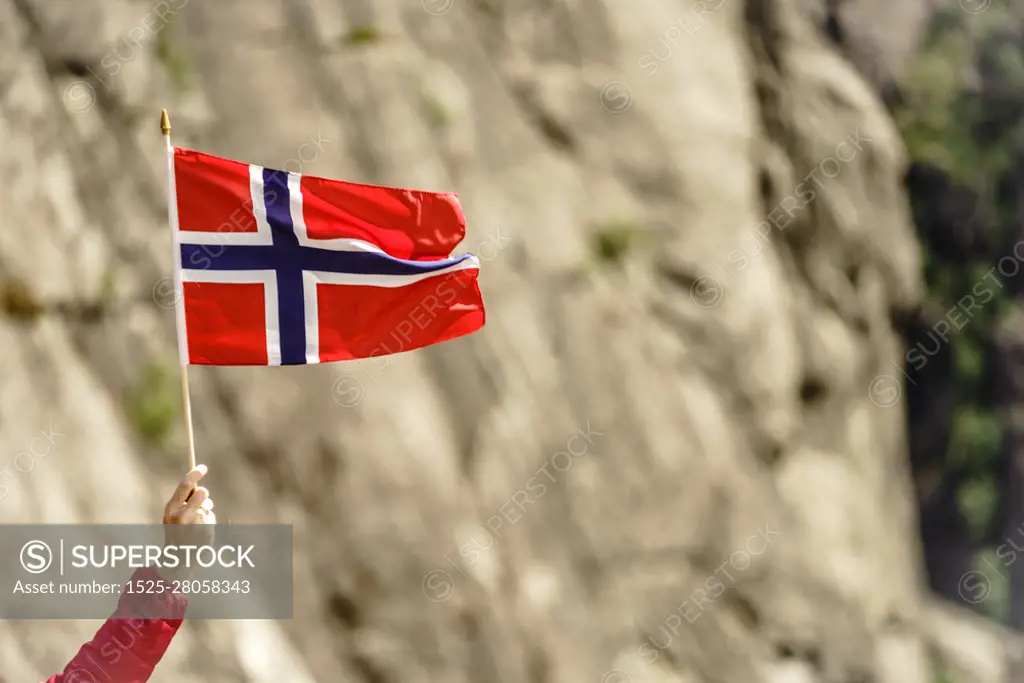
(169, 53)
(153, 403)
(931, 117)
(362, 35)
(435, 111)
(613, 239)
(960, 107)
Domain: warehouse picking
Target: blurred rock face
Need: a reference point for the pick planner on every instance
(676, 452)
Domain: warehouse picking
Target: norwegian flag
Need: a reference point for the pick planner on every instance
(277, 268)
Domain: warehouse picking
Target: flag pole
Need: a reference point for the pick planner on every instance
(179, 291)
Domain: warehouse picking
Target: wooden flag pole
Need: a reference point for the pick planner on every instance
(179, 291)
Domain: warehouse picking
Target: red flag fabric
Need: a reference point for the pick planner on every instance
(277, 268)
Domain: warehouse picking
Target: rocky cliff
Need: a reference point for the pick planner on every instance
(694, 243)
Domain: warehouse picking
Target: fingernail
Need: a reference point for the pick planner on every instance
(201, 468)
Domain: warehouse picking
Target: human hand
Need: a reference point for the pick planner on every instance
(189, 505)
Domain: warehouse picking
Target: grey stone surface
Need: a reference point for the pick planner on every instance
(746, 466)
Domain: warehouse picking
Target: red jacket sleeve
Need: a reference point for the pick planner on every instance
(129, 645)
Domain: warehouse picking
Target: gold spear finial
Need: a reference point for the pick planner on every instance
(165, 123)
